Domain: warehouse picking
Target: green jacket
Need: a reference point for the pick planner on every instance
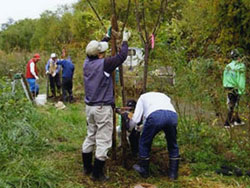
(234, 76)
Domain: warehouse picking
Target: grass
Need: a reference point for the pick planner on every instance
(41, 147)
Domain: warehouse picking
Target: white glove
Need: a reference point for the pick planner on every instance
(126, 35)
(53, 74)
(139, 128)
(47, 72)
(36, 77)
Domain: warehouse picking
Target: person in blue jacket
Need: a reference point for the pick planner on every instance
(67, 78)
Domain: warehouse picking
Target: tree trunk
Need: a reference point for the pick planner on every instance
(146, 59)
(113, 53)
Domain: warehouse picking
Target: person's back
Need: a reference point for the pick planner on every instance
(234, 76)
(234, 79)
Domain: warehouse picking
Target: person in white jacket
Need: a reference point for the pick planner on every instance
(158, 114)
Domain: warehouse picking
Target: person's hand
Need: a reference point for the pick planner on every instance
(109, 32)
(53, 74)
(126, 35)
(36, 77)
(139, 128)
(47, 72)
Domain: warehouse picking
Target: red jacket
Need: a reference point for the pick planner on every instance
(28, 73)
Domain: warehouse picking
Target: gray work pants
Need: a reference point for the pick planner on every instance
(100, 130)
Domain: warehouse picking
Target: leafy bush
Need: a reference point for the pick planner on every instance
(22, 143)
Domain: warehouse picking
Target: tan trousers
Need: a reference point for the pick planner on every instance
(100, 129)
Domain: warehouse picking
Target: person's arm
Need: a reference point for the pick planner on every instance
(138, 114)
(47, 66)
(110, 63)
(60, 62)
(32, 70)
(58, 68)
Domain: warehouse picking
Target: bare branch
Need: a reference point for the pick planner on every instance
(126, 19)
(144, 21)
(100, 20)
(138, 22)
(162, 9)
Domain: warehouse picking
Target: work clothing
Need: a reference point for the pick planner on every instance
(68, 68)
(34, 88)
(31, 69)
(159, 115)
(98, 83)
(98, 173)
(31, 76)
(150, 102)
(67, 79)
(173, 168)
(54, 76)
(160, 120)
(234, 80)
(99, 99)
(87, 162)
(100, 129)
(234, 76)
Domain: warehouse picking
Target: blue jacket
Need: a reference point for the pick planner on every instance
(68, 68)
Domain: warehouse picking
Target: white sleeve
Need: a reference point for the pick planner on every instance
(32, 69)
(138, 111)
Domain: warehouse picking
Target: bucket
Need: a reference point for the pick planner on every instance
(41, 99)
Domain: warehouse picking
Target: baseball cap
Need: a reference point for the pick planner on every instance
(94, 48)
(53, 55)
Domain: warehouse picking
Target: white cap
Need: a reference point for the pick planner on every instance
(94, 47)
(53, 55)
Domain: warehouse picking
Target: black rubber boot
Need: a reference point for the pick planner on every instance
(87, 163)
(98, 174)
(173, 168)
(142, 167)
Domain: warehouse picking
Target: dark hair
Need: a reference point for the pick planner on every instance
(131, 103)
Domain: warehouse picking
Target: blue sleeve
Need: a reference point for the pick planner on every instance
(58, 68)
(47, 66)
(110, 63)
(60, 62)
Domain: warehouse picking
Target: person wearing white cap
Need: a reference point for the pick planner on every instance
(53, 70)
(99, 99)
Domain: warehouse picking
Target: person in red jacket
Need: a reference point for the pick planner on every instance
(32, 74)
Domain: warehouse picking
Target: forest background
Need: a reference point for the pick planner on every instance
(195, 38)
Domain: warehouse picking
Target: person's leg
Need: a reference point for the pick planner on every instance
(52, 85)
(32, 86)
(104, 122)
(170, 131)
(64, 90)
(231, 102)
(151, 128)
(70, 90)
(134, 142)
(36, 89)
(58, 83)
(237, 119)
(89, 142)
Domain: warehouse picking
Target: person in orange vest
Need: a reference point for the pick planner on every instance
(32, 74)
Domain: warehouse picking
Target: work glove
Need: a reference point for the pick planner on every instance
(53, 74)
(126, 35)
(139, 128)
(36, 77)
(109, 32)
(47, 72)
